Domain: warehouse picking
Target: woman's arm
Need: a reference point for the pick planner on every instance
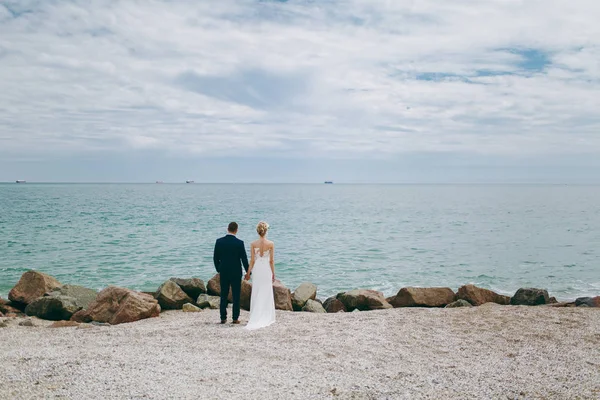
(272, 260)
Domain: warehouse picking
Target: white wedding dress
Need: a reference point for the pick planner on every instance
(262, 302)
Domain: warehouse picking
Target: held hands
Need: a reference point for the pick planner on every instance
(247, 276)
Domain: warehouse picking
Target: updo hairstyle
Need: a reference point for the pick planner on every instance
(262, 228)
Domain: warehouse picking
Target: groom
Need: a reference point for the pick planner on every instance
(229, 256)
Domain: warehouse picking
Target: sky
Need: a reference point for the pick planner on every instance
(430, 91)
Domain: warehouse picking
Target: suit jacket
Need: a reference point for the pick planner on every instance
(230, 256)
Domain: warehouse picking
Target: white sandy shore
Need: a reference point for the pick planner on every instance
(485, 352)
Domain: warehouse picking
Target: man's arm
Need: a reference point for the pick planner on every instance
(216, 258)
(244, 256)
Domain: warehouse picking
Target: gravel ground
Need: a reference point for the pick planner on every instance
(487, 352)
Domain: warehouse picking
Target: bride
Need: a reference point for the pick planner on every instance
(262, 268)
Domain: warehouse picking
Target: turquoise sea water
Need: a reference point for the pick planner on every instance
(338, 236)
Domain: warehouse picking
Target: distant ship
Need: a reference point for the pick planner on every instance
(20, 181)
(159, 182)
(189, 181)
(329, 182)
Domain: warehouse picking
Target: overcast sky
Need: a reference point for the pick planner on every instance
(300, 91)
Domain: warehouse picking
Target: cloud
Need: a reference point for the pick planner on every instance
(300, 78)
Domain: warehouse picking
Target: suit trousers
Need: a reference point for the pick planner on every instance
(235, 283)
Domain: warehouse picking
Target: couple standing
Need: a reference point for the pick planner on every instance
(229, 257)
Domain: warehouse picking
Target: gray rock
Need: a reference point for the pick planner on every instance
(459, 303)
(313, 306)
(193, 287)
(96, 323)
(588, 301)
(54, 308)
(27, 322)
(306, 291)
(206, 301)
(82, 295)
(530, 297)
(3, 325)
(171, 297)
(189, 307)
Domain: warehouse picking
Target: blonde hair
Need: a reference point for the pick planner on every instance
(262, 228)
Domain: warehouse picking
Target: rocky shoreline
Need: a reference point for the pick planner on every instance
(42, 296)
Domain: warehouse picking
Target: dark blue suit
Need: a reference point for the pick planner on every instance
(229, 257)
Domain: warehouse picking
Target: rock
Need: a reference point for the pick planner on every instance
(364, 300)
(283, 296)
(27, 322)
(561, 304)
(313, 306)
(82, 295)
(1, 315)
(96, 323)
(588, 301)
(530, 297)
(206, 301)
(3, 301)
(115, 305)
(214, 289)
(306, 291)
(189, 307)
(171, 297)
(54, 308)
(81, 316)
(333, 305)
(11, 308)
(478, 296)
(64, 324)
(553, 300)
(193, 287)
(32, 285)
(459, 303)
(423, 297)
(3, 325)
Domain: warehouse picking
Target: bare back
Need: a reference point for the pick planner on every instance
(263, 245)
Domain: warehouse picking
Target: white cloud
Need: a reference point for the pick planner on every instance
(330, 78)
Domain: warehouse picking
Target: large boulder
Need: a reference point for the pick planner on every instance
(83, 296)
(214, 289)
(207, 301)
(478, 296)
(313, 306)
(193, 287)
(588, 301)
(283, 296)
(54, 308)
(364, 300)
(530, 297)
(306, 291)
(245, 295)
(171, 297)
(333, 305)
(116, 305)
(459, 303)
(423, 297)
(213, 286)
(32, 285)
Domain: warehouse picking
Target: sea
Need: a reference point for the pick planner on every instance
(340, 237)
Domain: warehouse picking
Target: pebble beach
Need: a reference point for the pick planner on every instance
(491, 351)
